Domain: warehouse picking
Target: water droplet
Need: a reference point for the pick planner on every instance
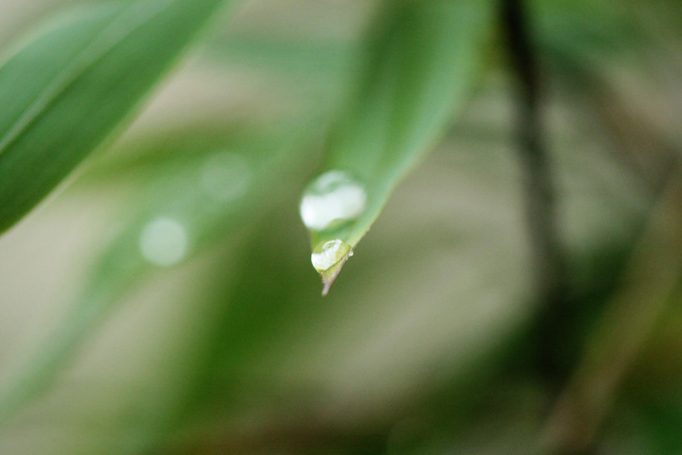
(332, 198)
(329, 253)
(163, 241)
(225, 176)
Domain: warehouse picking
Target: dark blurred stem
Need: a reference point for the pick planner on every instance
(549, 264)
(649, 286)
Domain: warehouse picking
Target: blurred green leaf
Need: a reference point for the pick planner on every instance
(221, 184)
(319, 58)
(245, 319)
(74, 85)
(565, 28)
(421, 63)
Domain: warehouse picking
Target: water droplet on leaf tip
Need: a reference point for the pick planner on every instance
(328, 254)
(333, 197)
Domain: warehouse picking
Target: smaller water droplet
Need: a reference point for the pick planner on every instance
(330, 253)
(163, 241)
(332, 198)
(225, 176)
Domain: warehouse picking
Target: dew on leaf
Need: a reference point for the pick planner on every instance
(329, 253)
(332, 198)
(328, 259)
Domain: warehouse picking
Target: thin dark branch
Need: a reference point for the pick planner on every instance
(648, 287)
(540, 193)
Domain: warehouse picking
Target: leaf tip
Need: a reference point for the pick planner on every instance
(326, 286)
(328, 259)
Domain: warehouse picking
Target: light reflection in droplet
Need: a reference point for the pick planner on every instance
(163, 241)
(332, 198)
(225, 176)
(329, 253)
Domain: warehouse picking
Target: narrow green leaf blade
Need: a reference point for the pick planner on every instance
(71, 88)
(190, 205)
(420, 66)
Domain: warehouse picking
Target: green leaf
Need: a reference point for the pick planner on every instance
(76, 84)
(316, 59)
(189, 205)
(242, 321)
(420, 67)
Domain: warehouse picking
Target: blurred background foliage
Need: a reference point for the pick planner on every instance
(163, 302)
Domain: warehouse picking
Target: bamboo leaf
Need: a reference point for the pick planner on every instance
(77, 83)
(242, 321)
(420, 66)
(189, 206)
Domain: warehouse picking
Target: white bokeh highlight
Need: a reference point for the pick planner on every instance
(164, 242)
